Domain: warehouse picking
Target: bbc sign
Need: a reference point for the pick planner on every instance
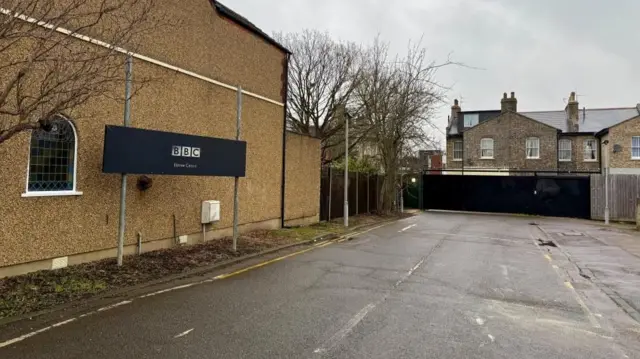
(185, 151)
(138, 151)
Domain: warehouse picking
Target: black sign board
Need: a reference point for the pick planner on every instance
(134, 150)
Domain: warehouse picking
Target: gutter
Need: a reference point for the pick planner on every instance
(284, 137)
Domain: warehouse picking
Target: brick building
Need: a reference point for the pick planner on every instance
(500, 142)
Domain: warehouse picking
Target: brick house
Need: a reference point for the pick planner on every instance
(500, 142)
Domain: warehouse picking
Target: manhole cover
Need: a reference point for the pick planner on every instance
(572, 234)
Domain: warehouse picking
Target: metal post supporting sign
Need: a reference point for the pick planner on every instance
(123, 184)
(235, 182)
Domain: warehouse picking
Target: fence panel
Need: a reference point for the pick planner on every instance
(363, 193)
(325, 184)
(623, 192)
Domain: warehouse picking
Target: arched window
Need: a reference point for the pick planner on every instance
(53, 159)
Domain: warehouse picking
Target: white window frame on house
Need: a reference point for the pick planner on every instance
(593, 150)
(532, 143)
(460, 151)
(486, 148)
(56, 193)
(636, 147)
(564, 147)
(471, 119)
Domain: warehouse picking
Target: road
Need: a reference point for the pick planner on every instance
(437, 285)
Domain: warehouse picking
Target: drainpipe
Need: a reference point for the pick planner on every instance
(284, 137)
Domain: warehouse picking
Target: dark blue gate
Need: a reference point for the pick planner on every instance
(557, 196)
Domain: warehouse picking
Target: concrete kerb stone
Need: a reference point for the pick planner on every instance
(118, 295)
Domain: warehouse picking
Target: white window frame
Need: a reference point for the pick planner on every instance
(472, 117)
(486, 144)
(74, 191)
(560, 149)
(527, 147)
(461, 150)
(594, 150)
(636, 147)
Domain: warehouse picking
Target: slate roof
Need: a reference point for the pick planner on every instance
(591, 120)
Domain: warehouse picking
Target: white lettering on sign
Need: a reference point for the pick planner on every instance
(185, 151)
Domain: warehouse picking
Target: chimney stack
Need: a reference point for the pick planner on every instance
(572, 112)
(509, 103)
(455, 111)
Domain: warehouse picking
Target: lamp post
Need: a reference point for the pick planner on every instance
(346, 168)
(606, 183)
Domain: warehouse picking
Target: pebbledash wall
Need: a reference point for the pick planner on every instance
(302, 188)
(36, 230)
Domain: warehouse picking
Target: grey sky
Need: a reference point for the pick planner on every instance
(540, 49)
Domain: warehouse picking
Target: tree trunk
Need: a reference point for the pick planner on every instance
(388, 190)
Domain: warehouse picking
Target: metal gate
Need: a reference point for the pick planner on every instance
(557, 196)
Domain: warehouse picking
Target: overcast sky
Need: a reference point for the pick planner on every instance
(541, 49)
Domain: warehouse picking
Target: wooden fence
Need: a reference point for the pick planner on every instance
(363, 193)
(623, 192)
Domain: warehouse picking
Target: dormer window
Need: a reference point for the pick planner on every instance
(471, 119)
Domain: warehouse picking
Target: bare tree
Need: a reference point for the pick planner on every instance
(398, 97)
(323, 74)
(46, 70)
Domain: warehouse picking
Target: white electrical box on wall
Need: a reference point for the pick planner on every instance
(210, 211)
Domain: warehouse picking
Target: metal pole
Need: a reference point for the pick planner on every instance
(330, 191)
(401, 194)
(357, 190)
(235, 182)
(346, 171)
(606, 194)
(123, 182)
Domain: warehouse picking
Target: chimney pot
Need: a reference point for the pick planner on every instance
(455, 102)
(509, 104)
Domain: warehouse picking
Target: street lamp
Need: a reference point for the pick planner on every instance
(346, 165)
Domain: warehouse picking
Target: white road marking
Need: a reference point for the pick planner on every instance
(183, 333)
(29, 335)
(338, 336)
(493, 339)
(505, 271)
(470, 235)
(407, 227)
(172, 289)
(125, 302)
(480, 321)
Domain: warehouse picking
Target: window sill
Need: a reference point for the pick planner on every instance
(635, 158)
(487, 158)
(564, 160)
(533, 158)
(460, 160)
(51, 194)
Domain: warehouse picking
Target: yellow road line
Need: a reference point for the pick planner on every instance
(255, 266)
(548, 257)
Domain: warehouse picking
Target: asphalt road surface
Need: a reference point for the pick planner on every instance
(438, 285)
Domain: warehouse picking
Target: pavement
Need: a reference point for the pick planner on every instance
(436, 285)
